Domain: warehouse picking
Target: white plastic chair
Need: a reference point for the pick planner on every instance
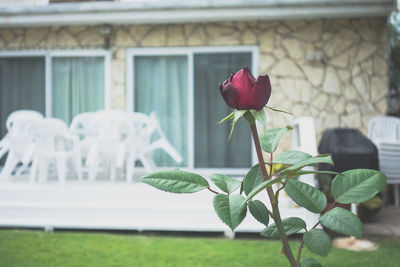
(304, 139)
(18, 141)
(83, 126)
(162, 142)
(384, 131)
(384, 128)
(54, 143)
(108, 147)
(303, 135)
(140, 144)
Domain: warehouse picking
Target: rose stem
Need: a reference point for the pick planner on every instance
(275, 209)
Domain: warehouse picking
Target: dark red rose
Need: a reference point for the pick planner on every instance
(242, 91)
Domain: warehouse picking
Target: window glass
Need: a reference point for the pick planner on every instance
(161, 86)
(77, 86)
(212, 148)
(22, 86)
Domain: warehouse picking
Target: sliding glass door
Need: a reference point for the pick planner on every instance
(161, 84)
(212, 150)
(182, 88)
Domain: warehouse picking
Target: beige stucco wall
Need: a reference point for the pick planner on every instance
(345, 88)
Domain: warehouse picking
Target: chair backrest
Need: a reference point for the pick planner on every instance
(19, 124)
(82, 124)
(20, 121)
(140, 125)
(110, 124)
(384, 128)
(51, 135)
(303, 135)
(304, 139)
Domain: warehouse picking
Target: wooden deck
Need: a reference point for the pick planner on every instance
(116, 206)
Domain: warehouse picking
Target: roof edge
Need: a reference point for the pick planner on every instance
(159, 12)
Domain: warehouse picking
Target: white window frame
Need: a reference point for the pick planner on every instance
(49, 54)
(189, 52)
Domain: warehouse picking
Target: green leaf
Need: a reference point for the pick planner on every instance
(279, 110)
(241, 188)
(356, 186)
(306, 195)
(291, 157)
(225, 183)
(230, 209)
(290, 225)
(253, 178)
(342, 221)
(262, 186)
(229, 117)
(308, 162)
(301, 172)
(259, 211)
(175, 181)
(310, 262)
(259, 115)
(269, 139)
(318, 242)
(237, 114)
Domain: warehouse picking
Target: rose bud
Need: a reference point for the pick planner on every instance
(242, 91)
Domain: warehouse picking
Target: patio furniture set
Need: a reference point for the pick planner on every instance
(105, 139)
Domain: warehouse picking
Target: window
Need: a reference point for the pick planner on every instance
(77, 86)
(181, 86)
(22, 86)
(60, 84)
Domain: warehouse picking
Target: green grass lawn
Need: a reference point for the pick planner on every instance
(36, 248)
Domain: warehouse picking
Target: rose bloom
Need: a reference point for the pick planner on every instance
(242, 91)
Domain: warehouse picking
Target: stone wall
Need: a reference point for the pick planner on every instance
(345, 86)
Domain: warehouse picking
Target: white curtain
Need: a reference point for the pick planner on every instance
(161, 85)
(77, 86)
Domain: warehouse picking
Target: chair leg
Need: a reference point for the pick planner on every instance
(9, 166)
(112, 170)
(28, 154)
(34, 168)
(396, 194)
(43, 168)
(93, 169)
(61, 169)
(78, 166)
(130, 167)
(148, 162)
(3, 150)
(121, 150)
(21, 169)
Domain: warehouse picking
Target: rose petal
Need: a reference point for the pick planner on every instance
(261, 92)
(242, 80)
(230, 94)
(249, 75)
(231, 77)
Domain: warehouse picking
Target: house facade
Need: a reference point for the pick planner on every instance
(325, 59)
